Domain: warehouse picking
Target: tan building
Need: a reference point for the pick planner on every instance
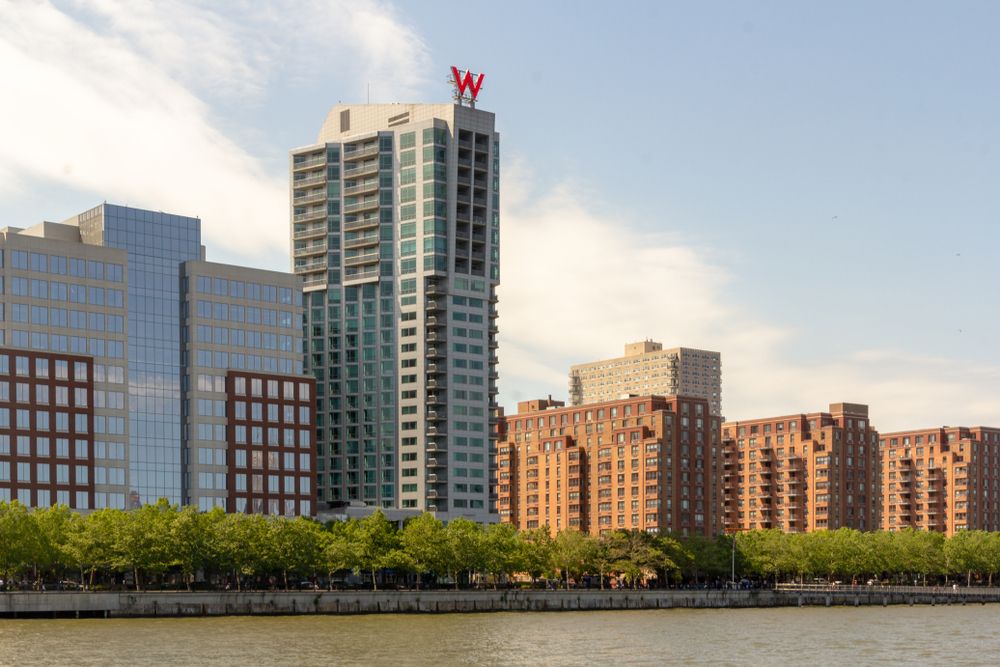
(804, 472)
(64, 421)
(646, 463)
(647, 369)
(943, 479)
(249, 437)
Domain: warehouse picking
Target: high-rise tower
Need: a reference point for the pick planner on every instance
(395, 228)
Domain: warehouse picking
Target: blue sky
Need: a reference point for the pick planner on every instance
(806, 187)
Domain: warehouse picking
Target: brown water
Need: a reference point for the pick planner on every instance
(811, 636)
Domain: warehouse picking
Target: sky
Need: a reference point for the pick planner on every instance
(806, 187)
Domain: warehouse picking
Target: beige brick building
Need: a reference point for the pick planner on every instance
(648, 369)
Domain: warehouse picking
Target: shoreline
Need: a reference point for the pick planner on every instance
(291, 603)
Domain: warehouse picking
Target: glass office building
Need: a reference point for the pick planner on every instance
(157, 244)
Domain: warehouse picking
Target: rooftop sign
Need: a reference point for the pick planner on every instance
(466, 86)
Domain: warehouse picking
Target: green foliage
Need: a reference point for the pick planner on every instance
(161, 540)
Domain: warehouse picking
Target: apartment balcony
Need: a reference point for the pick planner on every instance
(362, 170)
(434, 383)
(433, 446)
(366, 222)
(366, 187)
(434, 305)
(358, 260)
(434, 289)
(309, 198)
(434, 462)
(435, 337)
(435, 369)
(311, 265)
(311, 231)
(312, 215)
(361, 276)
(309, 164)
(436, 430)
(317, 246)
(363, 152)
(435, 415)
(308, 181)
(434, 353)
(363, 242)
(433, 321)
(314, 282)
(432, 493)
(367, 205)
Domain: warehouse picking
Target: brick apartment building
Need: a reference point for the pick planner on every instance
(646, 463)
(945, 479)
(801, 472)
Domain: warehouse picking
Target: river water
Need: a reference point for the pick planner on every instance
(942, 635)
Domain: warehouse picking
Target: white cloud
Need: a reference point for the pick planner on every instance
(110, 98)
(578, 283)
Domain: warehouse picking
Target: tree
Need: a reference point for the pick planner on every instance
(502, 551)
(537, 550)
(465, 548)
(378, 544)
(19, 545)
(340, 549)
(296, 546)
(143, 540)
(423, 541)
(574, 551)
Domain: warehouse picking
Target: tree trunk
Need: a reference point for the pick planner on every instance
(135, 573)
(374, 581)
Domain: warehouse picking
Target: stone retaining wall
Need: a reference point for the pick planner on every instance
(152, 604)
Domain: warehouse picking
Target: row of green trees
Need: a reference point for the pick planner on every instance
(848, 555)
(163, 543)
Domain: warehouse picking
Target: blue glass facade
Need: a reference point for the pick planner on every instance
(157, 245)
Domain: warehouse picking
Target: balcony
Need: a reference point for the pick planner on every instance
(434, 383)
(370, 185)
(366, 205)
(362, 170)
(310, 231)
(433, 304)
(364, 151)
(361, 275)
(367, 222)
(318, 179)
(309, 163)
(434, 337)
(434, 462)
(308, 216)
(434, 430)
(318, 281)
(309, 198)
(362, 242)
(433, 399)
(311, 265)
(358, 260)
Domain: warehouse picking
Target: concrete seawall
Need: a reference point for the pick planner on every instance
(158, 604)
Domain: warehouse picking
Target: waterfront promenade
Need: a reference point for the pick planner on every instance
(188, 604)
